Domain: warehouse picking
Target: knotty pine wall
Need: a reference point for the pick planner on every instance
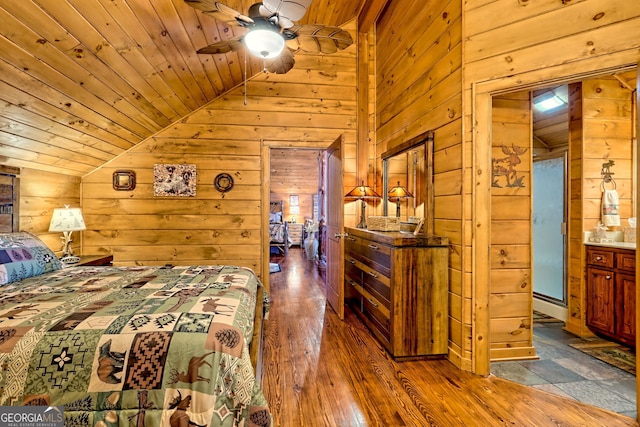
(418, 87)
(601, 129)
(40, 193)
(571, 41)
(310, 106)
(435, 70)
(511, 220)
(295, 172)
(607, 135)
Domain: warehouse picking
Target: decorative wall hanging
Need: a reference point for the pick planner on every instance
(223, 182)
(174, 180)
(506, 167)
(124, 180)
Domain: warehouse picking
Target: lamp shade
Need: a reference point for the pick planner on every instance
(399, 192)
(362, 192)
(67, 219)
(264, 42)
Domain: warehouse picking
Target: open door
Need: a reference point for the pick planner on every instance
(335, 222)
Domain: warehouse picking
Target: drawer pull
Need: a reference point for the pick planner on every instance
(608, 277)
(349, 238)
(351, 261)
(598, 258)
(352, 283)
(372, 302)
(374, 247)
(372, 274)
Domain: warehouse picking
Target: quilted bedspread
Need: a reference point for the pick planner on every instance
(133, 346)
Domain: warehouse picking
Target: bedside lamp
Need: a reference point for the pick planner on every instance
(398, 193)
(67, 220)
(362, 192)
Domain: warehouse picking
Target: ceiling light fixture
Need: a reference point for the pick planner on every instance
(265, 42)
(548, 101)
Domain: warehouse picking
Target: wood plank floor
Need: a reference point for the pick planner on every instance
(320, 371)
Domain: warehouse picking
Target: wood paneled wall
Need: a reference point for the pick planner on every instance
(295, 172)
(571, 41)
(40, 193)
(308, 107)
(418, 87)
(511, 220)
(607, 135)
(601, 129)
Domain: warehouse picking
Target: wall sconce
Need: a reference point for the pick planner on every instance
(362, 192)
(396, 194)
(67, 220)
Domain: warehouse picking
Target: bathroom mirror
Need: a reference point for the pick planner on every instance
(407, 170)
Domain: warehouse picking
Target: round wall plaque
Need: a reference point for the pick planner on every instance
(223, 182)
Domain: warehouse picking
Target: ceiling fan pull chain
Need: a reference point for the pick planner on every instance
(245, 79)
(264, 66)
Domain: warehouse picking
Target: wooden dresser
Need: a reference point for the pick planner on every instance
(397, 283)
(611, 292)
(295, 233)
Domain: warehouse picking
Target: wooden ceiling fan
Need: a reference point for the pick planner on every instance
(271, 25)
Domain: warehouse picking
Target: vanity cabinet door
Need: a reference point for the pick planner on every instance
(625, 310)
(600, 299)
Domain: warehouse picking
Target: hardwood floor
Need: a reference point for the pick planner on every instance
(320, 371)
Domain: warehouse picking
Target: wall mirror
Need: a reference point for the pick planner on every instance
(407, 180)
(124, 180)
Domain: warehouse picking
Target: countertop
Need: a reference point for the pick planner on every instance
(624, 245)
(616, 236)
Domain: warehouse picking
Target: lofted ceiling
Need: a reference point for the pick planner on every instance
(81, 81)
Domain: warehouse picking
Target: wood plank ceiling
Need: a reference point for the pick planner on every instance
(81, 81)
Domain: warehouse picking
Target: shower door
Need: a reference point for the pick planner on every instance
(549, 230)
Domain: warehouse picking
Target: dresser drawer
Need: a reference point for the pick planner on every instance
(379, 289)
(379, 320)
(602, 258)
(373, 254)
(626, 261)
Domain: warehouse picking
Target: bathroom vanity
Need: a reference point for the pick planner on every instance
(611, 290)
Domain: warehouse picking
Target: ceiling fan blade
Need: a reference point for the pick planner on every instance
(319, 38)
(224, 46)
(282, 63)
(220, 11)
(291, 9)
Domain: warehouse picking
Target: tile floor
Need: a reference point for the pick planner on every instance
(568, 372)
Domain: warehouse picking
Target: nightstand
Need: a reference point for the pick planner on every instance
(101, 260)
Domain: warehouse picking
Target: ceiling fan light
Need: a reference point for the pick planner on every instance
(264, 43)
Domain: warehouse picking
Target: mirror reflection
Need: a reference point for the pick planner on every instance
(405, 186)
(408, 182)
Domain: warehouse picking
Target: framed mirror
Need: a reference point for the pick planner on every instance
(407, 181)
(124, 180)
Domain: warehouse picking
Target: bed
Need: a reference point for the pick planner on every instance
(278, 232)
(136, 346)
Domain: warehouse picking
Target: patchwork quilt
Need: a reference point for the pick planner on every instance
(154, 346)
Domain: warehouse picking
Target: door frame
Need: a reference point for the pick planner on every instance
(481, 141)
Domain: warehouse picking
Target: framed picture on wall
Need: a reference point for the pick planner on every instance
(174, 180)
(293, 200)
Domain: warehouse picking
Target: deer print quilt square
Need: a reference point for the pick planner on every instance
(133, 345)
